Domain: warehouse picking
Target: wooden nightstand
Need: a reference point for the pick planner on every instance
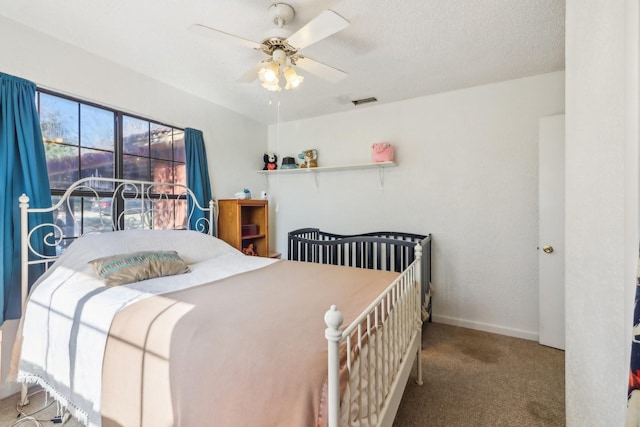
(253, 215)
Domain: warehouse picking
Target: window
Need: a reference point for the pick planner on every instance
(84, 140)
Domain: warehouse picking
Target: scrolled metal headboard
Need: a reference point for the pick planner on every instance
(116, 204)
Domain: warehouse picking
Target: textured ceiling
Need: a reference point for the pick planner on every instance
(391, 50)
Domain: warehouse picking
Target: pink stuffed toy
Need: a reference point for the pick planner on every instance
(382, 152)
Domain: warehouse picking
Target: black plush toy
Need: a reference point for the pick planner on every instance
(270, 161)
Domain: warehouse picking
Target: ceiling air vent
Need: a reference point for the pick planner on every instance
(357, 102)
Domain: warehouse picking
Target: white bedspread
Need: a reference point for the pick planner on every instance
(70, 310)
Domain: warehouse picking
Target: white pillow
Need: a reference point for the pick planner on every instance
(192, 246)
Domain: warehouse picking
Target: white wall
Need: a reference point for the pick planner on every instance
(234, 143)
(601, 207)
(467, 173)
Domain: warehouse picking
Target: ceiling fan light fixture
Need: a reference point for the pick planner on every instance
(269, 73)
(279, 57)
(293, 79)
(272, 87)
(283, 47)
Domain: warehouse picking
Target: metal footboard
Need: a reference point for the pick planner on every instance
(380, 346)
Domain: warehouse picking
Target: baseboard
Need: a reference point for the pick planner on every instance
(486, 327)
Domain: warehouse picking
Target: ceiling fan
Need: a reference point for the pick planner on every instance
(284, 48)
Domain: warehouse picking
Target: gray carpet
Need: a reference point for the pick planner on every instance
(474, 378)
(471, 378)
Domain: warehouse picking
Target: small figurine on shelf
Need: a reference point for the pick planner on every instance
(309, 158)
(382, 152)
(244, 194)
(270, 161)
(289, 163)
(249, 250)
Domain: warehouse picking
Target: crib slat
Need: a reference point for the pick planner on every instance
(391, 251)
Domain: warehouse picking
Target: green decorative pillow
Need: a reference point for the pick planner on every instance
(133, 267)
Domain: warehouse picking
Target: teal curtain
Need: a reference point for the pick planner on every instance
(24, 170)
(197, 178)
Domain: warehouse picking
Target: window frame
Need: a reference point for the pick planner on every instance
(118, 157)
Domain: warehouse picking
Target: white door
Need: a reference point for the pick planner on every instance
(551, 251)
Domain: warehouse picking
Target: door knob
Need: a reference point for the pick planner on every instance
(548, 249)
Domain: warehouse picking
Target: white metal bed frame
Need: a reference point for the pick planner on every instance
(391, 325)
(398, 310)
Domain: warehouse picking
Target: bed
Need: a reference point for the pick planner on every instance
(380, 250)
(235, 340)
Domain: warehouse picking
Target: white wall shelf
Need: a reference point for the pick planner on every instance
(381, 166)
(331, 168)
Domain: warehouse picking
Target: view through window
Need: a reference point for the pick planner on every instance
(84, 140)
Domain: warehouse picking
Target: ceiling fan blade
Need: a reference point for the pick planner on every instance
(203, 30)
(319, 69)
(322, 26)
(251, 74)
